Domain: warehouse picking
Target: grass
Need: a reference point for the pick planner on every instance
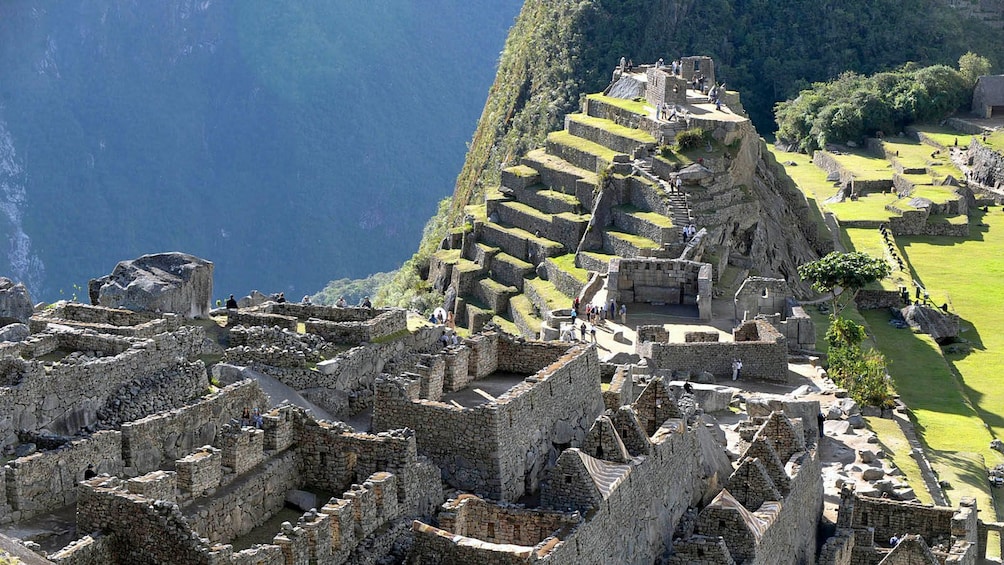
(948, 424)
(936, 194)
(811, 181)
(521, 305)
(570, 199)
(567, 264)
(582, 144)
(637, 241)
(895, 444)
(554, 299)
(635, 106)
(558, 164)
(653, 218)
(618, 130)
(507, 325)
(868, 240)
(867, 208)
(521, 171)
(944, 136)
(448, 256)
(865, 166)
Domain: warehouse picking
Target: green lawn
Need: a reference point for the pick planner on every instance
(567, 264)
(867, 208)
(865, 166)
(636, 106)
(622, 131)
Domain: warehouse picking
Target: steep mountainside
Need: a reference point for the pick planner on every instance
(287, 141)
(766, 50)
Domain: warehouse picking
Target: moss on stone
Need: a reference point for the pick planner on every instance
(638, 135)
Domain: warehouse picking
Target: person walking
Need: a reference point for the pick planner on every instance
(737, 367)
(623, 314)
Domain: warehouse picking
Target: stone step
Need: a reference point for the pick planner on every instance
(561, 176)
(630, 245)
(521, 310)
(520, 243)
(494, 295)
(545, 296)
(579, 151)
(608, 134)
(549, 201)
(652, 225)
(563, 229)
(596, 261)
(509, 270)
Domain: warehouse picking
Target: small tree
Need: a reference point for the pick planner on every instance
(838, 273)
(973, 66)
(861, 372)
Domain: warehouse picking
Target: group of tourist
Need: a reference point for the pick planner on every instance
(715, 95)
(251, 418)
(666, 112)
(675, 67)
(449, 337)
(689, 232)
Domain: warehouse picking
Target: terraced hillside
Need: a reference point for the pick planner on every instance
(942, 248)
(610, 185)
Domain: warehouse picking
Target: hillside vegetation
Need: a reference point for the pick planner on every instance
(854, 106)
(767, 50)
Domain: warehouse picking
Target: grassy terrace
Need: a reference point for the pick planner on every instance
(947, 137)
(868, 208)
(865, 166)
(558, 164)
(567, 264)
(942, 411)
(869, 240)
(522, 171)
(546, 192)
(554, 299)
(448, 256)
(619, 130)
(582, 144)
(936, 194)
(522, 307)
(636, 106)
(653, 218)
(497, 287)
(637, 241)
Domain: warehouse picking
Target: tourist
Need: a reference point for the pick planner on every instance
(305, 299)
(575, 304)
(256, 418)
(737, 368)
(231, 303)
(341, 302)
(433, 319)
(451, 322)
(679, 183)
(90, 473)
(624, 314)
(613, 309)
(366, 302)
(623, 64)
(592, 332)
(445, 339)
(456, 338)
(582, 330)
(893, 540)
(659, 64)
(688, 388)
(575, 314)
(820, 420)
(246, 417)
(718, 104)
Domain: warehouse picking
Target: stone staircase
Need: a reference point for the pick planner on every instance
(521, 260)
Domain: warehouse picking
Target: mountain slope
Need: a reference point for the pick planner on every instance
(767, 50)
(286, 141)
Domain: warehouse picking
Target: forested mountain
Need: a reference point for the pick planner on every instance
(290, 141)
(765, 49)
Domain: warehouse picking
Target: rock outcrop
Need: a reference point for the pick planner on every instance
(942, 327)
(162, 282)
(15, 302)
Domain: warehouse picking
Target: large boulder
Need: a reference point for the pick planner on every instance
(163, 282)
(15, 302)
(942, 327)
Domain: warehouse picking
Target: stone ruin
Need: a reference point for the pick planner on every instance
(773, 300)
(880, 530)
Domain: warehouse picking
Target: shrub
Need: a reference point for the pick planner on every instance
(690, 138)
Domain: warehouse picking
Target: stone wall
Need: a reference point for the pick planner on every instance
(500, 448)
(986, 165)
(155, 442)
(64, 396)
(470, 516)
(662, 87)
(668, 281)
(47, 480)
(246, 502)
(764, 357)
(164, 390)
(113, 321)
(388, 321)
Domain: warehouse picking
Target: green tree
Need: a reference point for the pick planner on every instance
(837, 273)
(973, 66)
